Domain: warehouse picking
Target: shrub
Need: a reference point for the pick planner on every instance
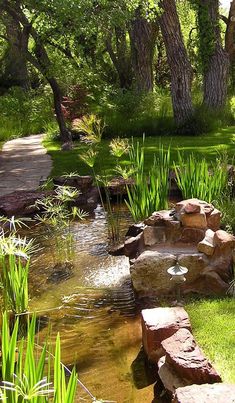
(23, 113)
(130, 114)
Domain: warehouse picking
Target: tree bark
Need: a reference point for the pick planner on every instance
(216, 68)
(142, 38)
(121, 58)
(180, 67)
(230, 40)
(15, 71)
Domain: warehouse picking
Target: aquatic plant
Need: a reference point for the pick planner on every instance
(119, 147)
(92, 128)
(197, 178)
(24, 367)
(31, 372)
(57, 214)
(14, 262)
(149, 191)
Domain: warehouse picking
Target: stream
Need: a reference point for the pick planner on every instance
(89, 299)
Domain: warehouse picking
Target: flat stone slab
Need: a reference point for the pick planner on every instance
(216, 393)
(159, 324)
(21, 203)
(23, 162)
(185, 357)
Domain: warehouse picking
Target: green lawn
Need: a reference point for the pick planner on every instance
(213, 323)
(208, 146)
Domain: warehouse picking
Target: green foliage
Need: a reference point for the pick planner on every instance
(226, 204)
(199, 179)
(15, 284)
(206, 32)
(14, 263)
(23, 113)
(129, 114)
(149, 192)
(24, 367)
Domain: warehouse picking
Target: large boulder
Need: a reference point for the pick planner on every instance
(149, 271)
(216, 393)
(159, 324)
(186, 358)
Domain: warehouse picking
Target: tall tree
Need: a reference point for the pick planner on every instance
(120, 55)
(215, 60)
(179, 64)
(15, 71)
(143, 37)
(40, 59)
(230, 39)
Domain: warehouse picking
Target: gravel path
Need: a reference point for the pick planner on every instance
(23, 162)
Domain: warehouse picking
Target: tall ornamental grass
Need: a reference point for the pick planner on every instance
(196, 178)
(14, 268)
(24, 365)
(149, 191)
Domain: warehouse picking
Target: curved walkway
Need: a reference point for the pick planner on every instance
(23, 162)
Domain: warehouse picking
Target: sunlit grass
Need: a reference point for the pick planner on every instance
(213, 323)
(208, 146)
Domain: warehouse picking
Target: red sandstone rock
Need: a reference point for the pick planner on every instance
(208, 283)
(135, 229)
(192, 235)
(186, 358)
(170, 379)
(159, 324)
(216, 393)
(224, 240)
(80, 182)
(193, 204)
(133, 246)
(159, 218)
(213, 220)
(21, 203)
(192, 208)
(153, 235)
(194, 220)
(207, 244)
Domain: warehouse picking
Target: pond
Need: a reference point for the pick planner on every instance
(90, 301)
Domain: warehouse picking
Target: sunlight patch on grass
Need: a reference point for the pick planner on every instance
(209, 147)
(213, 324)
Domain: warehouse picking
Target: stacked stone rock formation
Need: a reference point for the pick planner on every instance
(189, 233)
(168, 341)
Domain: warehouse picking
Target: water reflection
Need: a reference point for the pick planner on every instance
(90, 301)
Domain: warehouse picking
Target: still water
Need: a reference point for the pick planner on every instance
(88, 298)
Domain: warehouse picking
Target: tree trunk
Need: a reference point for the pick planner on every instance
(120, 58)
(42, 62)
(180, 67)
(142, 37)
(230, 40)
(214, 58)
(16, 72)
